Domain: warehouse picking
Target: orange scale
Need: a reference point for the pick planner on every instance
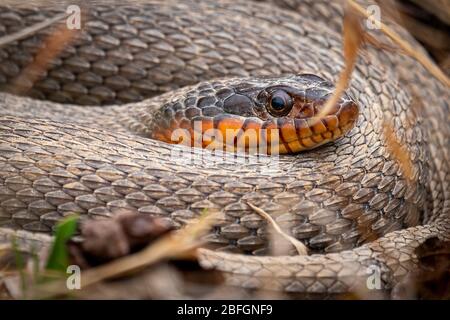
(248, 139)
(332, 122)
(317, 138)
(173, 123)
(303, 129)
(207, 124)
(308, 142)
(295, 146)
(327, 135)
(288, 132)
(253, 126)
(269, 131)
(281, 148)
(347, 116)
(185, 124)
(187, 133)
(167, 133)
(230, 123)
(317, 126)
(251, 135)
(160, 136)
(229, 128)
(337, 133)
(197, 131)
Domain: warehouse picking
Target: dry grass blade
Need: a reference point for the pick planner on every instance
(301, 248)
(26, 32)
(398, 151)
(4, 247)
(411, 17)
(170, 246)
(353, 39)
(176, 244)
(371, 40)
(406, 47)
(52, 47)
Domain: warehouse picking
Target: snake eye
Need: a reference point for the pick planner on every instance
(280, 104)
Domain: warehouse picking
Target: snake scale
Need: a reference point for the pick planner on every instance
(348, 201)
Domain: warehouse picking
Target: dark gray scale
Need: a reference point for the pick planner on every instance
(239, 104)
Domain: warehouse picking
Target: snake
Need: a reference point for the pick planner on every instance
(92, 136)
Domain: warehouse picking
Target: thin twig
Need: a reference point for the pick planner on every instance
(173, 245)
(426, 62)
(353, 37)
(28, 31)
(301, 248)
(54, 44)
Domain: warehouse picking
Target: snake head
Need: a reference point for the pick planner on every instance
(257, 115)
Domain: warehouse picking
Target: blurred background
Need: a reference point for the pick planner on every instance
(428, 21)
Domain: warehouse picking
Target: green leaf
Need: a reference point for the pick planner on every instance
(59, 256)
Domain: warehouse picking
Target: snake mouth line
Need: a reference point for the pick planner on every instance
(253, 135)
(256, 136)
(257, 116)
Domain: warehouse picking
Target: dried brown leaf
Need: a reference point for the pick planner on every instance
(174, 245)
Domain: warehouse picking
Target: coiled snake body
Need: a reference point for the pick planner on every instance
(349, 200)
